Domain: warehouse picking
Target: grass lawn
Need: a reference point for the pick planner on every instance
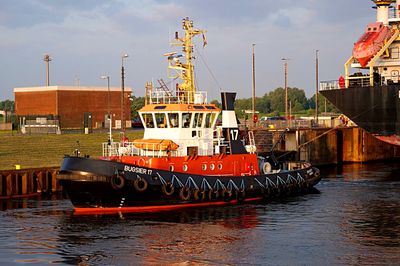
(41, 150)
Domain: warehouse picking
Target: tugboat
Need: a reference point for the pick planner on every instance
(369, 92)
(184, 159)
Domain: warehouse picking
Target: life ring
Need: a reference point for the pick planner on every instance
(199, 195)
(267, 168)
(184, 193)
(140, 184)
(255, 118)
(117, 182)
(168, 189)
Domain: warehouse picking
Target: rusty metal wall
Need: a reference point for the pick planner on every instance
(336, 145)
(28, 182)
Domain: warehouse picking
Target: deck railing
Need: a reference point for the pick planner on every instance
(359, 81)
(129, 149)
(161, 97)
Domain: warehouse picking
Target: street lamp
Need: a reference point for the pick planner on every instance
(254, 86)
(316, 87)
(47, 60)
(108, 102)
(108, 95)
(286, 87)
(123, 92)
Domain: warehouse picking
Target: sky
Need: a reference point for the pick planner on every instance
(86, 39)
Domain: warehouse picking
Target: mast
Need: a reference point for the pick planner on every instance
(184, 70)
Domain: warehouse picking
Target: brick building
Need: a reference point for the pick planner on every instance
(71, 107)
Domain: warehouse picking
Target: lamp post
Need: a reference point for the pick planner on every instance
(47, 60)
(316, 87)
(286, 87)
(108, 104)
(254, 86)
(123, 92)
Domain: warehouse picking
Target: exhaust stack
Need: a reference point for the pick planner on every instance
(382, 14)
(397, 9)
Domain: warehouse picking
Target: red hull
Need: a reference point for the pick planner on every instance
(150, 209)
(393, 139)
(216, 165)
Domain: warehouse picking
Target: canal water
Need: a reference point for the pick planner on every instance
(353, 218)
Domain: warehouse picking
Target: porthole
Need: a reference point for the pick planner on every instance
(220, 166)
(185, 167)
(212, 166)
(204, 167)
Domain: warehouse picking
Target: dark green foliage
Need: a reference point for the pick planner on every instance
(136, 104)
(273, 103)
(7, 105)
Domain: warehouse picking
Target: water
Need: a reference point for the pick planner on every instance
(353, 219)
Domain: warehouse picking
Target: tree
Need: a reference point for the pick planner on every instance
(216, 102)
(330, 108)
(263, 104)
(277, 98)
(7, 105)
(241, 105)
(136, 104)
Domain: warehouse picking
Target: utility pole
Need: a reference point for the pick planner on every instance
(286, 87)
(123, 93)
(254, 86)
(316, 86)
(108, 104)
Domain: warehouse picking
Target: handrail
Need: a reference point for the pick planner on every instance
(359, 81)
(161, 96)
(129, 149)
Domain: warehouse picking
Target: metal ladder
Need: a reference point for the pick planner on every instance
(252, 142)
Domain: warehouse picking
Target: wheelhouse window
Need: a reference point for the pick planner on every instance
(213, 119)
(198, 119)
(148, 120)
(161, 120)
(186, 117)
(207, 120)
(173, 120)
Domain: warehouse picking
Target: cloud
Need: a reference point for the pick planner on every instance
(292, 17)
(86, 39)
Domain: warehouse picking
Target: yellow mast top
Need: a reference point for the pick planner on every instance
(184, 70)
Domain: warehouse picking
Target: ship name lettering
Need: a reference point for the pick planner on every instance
(137, 170)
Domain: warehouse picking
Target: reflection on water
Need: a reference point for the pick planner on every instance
(198, 234)
(353, 218)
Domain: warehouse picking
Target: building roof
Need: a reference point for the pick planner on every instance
(68, 88)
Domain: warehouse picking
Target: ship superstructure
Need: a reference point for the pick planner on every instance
(369, 91)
